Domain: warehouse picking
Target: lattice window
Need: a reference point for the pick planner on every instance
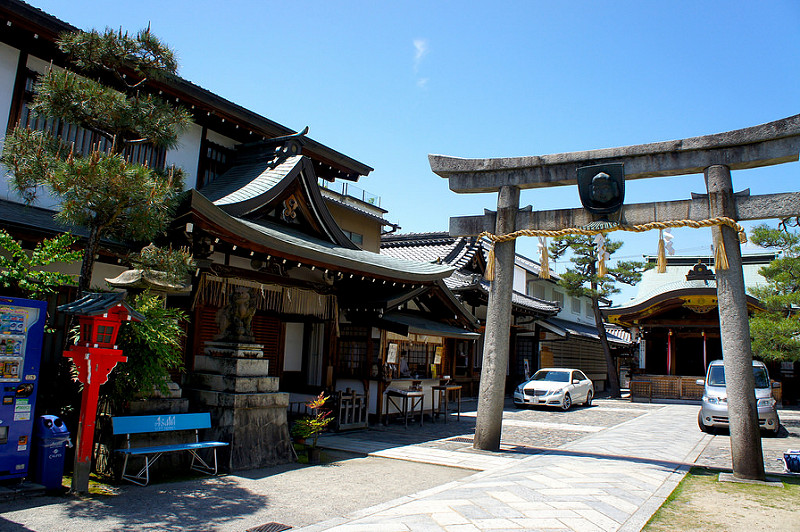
(558, 297)
(419, 357)
(215, 160)
(104, 334)
(83, 140)
(353, 349)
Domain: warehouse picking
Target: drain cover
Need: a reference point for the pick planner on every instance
(269, 527)
(461, 440)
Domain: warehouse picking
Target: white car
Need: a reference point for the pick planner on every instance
(555, 387)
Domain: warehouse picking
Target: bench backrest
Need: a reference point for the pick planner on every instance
(161, 423)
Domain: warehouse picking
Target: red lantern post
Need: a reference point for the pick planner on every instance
(95, 355)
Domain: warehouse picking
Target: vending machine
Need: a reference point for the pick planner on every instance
(21, 333)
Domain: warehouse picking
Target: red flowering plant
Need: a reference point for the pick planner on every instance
(311, 426)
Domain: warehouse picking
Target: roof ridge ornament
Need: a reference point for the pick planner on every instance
(294, 136)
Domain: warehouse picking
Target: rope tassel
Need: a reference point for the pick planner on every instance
(489, 274)
(602, 254)
(544, 261)
(720, 255)
(662, 254)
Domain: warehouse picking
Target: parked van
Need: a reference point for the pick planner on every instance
(714, 412)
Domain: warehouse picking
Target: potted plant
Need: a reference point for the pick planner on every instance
(308, 428)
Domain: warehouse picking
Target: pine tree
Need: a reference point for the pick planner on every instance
(775, 334)
(102, 190)
(583, 280)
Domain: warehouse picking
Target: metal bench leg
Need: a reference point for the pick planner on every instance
(142, 478)
(203, 466)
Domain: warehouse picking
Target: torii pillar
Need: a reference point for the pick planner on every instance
(488, 425)
(714, 155)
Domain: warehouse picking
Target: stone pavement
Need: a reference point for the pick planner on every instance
(608, 479)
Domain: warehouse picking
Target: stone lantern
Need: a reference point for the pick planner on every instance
(100, 316)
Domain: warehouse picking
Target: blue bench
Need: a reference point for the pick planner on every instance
(160, 424)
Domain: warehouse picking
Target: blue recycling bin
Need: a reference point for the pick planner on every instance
(52, 439)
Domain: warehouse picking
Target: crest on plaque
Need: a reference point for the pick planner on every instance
(602, 187)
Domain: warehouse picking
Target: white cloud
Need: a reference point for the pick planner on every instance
(420, 51)
(422, 83)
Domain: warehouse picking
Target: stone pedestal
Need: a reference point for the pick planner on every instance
(246, 408)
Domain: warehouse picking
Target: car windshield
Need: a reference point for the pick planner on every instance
(716, 376)
(553, 376)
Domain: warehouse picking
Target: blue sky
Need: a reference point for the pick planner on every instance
(390, 82)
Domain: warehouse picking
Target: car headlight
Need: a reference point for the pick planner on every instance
(711, 400)
(553, 392)
(766, 401)
(519, 389)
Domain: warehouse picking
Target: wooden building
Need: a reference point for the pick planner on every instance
(676, 320)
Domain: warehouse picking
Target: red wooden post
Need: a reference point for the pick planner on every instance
(95, 355)
(94, 366)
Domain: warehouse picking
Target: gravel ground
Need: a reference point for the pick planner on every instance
(298, 495)
(718, 452)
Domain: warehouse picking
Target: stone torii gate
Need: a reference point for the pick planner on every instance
(713, 155)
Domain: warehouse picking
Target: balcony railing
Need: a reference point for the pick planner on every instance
(348, 189)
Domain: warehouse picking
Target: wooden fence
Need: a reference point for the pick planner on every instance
(645, 388)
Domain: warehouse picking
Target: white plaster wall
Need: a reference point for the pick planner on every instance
(293, 350)
(8, 71)
(222, 140)
(520, 276)
(187, 155)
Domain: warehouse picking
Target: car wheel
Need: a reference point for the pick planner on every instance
(589, 397)
(566, 403)
(703, 427)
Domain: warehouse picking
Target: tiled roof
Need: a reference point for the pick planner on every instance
(245, 182)
(440, 247)
(95, 303)
(654, 283)
(431, 247)
(13, 214)
(289, 241)
(587, 331)
(303, 244)
(460, 281)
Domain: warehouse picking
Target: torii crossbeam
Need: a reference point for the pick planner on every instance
(713, 155)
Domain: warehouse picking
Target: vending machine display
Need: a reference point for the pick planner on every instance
(21, 331)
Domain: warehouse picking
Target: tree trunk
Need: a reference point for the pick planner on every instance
(87, 266)
(611, 366)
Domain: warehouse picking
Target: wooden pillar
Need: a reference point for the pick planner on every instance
(491, 395)
(734, 329)
(669, 352)
(705, 352)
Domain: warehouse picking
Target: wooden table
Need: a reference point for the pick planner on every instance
(444, 391)
(411, 399)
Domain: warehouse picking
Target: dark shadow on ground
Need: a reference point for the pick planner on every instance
(9, 526)
(181, 506)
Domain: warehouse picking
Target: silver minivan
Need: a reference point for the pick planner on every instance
(714, 412)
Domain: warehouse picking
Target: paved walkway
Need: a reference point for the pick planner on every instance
(608, 480)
